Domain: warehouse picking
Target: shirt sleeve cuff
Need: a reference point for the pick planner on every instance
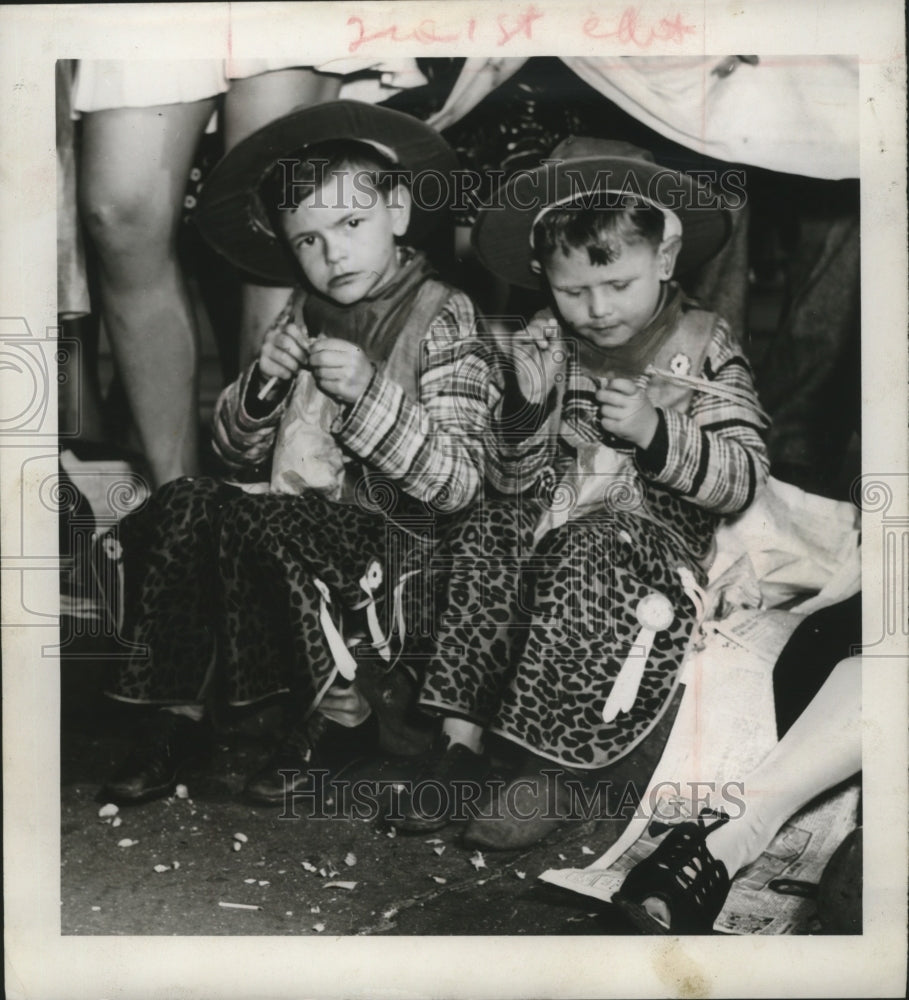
(359, 427)
(257, 411)
(652, 459)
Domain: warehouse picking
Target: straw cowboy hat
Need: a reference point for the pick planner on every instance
(233, 218)
(579, 170)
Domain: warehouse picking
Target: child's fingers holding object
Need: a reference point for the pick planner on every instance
(544, 333)
(612, 388)
(275, 361)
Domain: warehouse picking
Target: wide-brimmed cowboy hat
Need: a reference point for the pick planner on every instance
(233, 218)
(578, 172)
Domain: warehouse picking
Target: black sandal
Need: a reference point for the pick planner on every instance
(684, 875)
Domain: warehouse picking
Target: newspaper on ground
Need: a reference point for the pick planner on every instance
(725, 726)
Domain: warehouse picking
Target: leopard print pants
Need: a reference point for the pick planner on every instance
(219, 591)
(531, 639)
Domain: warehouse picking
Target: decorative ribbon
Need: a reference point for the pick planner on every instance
(370, 583)
(346, 664)
(654, 613)
(691, 588)
(399, 610)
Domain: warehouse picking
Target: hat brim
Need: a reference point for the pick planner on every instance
(232, 218)
(502, 235)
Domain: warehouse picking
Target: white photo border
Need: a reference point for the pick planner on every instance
(43, 964)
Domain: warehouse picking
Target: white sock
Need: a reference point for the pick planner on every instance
(461, 731)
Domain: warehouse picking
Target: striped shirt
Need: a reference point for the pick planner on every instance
(703, 463)
(432, 448)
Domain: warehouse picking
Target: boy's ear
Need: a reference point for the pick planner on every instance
(667, 255)
(399, 204)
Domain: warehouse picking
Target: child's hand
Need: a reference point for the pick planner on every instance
(341, 369)
(626, 412)
(284, 352)
(538, 355)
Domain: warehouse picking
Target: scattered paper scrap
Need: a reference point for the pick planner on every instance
(482, 881)
(264, 882)
(390, 912)
(586, 850)
(318, 928)
(439, 880)
(126, 842)
(182, 792)
(340, 884)
(439, 850)
(175, 865)
(95, 909)
(315, 909)
(434, 840)
(478, 861)
(288, 913)
(250, 881)
(393, 832)
(323, 873)
(241, 837)
(350, 859)
(161, 869)
(562, 857)
(307, 866)
(116, 821)
(108, 810)
(236, 845)
(238, 906)
(520, 874)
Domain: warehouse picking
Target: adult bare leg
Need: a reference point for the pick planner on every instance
(135, 162)
(822, 748)
(251, 103)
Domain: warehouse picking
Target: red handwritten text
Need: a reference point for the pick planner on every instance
(426, 31)
(511, 27)
(629, 32)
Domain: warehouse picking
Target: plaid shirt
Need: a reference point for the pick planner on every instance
(433, 448)
(706, 462)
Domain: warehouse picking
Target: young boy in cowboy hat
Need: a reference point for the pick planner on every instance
(366, 405)
(627, 427)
